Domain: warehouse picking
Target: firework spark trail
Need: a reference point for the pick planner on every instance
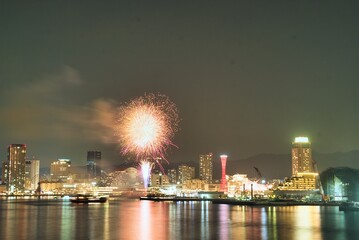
(146, 168)
(146, 126)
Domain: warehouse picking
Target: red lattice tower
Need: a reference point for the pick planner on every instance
(223, 179)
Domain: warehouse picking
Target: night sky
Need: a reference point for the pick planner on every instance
(247, 76)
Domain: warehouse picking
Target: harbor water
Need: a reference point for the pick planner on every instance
(135, 219)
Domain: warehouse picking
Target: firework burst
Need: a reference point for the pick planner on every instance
(146, 126)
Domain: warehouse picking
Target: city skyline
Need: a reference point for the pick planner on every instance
(240, 88)
(281, 167)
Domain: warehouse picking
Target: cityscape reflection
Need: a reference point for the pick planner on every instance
(134, 219)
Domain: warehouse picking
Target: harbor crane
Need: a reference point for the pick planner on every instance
(260, 177)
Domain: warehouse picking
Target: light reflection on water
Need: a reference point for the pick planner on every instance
(224, 220)
(307, 221)
(134, 219)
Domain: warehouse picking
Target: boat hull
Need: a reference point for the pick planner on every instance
(349, 207)
(89, 200)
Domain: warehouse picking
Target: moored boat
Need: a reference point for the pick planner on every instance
(88, 199)
(349, 206)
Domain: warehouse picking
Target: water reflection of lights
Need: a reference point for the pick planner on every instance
(106, 225)
(307, 220)
(66, 223)
(238, 219)
(272, 216)
(264, 224)
(204, 220)
(224, 220)
(145, 213)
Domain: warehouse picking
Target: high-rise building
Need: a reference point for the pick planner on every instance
(223, 179)
(93, 162)
(206, 167)
(15, 176)
(172, 175)
(157, 179)
(302, 161)
(305, 178)
(27, 174)
(32, 174)
(60, 169)
(185, 173)
(5, 170)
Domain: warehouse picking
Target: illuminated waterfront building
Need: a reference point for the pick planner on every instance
(302, 161)
(301, 182)
(206, 167)
(185, 173)
(60, 169)
(200, 185)
(239, 185)
(126, 179)
(15, 172)
(305, 182)
(302, 187)
(32, 174)
(93, 162)
(2, 188)
(194, 184)
(50, 186)
(341, 184)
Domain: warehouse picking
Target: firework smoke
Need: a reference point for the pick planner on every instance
(146, 168)
(146, 126)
